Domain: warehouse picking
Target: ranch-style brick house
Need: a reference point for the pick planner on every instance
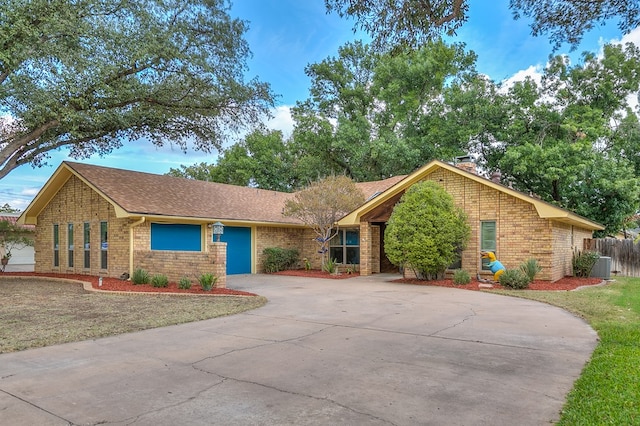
(104, 221)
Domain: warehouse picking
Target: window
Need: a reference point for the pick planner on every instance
(345, 247)
(56, 245)
(487, 240)
(87, 245)
(104, 246)
(176, 237)
(70, 243)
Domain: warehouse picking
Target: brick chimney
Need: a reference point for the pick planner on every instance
(466, 163)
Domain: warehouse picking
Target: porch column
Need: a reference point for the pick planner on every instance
(218, 253)
(366, 257)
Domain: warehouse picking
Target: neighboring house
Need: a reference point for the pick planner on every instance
(103, 221)
(22, 258)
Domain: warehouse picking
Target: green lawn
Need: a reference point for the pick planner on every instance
(608, 391)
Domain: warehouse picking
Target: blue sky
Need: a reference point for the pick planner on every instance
(287, 35)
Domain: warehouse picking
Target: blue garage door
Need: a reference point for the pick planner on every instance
(238, 249)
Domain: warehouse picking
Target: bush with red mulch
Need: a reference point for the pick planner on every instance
(115, 284)
(566, 283)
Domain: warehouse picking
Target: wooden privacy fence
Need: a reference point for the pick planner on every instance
(624, 254)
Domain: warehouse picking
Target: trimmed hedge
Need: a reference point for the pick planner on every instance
(278, 259)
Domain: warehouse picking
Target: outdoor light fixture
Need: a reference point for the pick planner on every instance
(218, 229)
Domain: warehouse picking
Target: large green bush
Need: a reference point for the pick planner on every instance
(426, 230)
(278, 259)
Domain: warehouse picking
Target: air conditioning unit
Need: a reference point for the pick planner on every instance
(602, 268)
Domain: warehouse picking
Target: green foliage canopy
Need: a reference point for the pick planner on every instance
(398, 24)
(374, 116)
(88, 74)
(260, 160)
(426, 230)
(571, 138)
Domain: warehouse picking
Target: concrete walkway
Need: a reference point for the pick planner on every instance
(361, 351)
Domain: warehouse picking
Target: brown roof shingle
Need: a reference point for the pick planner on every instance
(163, 195)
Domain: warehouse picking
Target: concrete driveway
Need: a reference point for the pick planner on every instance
(361, 351)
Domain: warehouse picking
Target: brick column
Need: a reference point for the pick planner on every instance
(218, 252)
(366, 258)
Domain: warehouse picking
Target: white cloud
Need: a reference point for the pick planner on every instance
(632, 37)
(282, 120)
(534, 72)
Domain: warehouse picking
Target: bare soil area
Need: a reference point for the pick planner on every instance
(41, 312)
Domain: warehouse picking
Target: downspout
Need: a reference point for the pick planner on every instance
(133, 225)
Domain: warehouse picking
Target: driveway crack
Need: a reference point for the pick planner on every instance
(37, 407)
(459, 323)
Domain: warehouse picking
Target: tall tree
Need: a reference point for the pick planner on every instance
(571, 139)
(395, 24)
(373, 116)
(88, 75)
(260, 160)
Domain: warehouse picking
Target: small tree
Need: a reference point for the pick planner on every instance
(322, 204)
(426, 230)
(12, 237)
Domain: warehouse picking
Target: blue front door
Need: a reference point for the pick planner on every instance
(238, 241)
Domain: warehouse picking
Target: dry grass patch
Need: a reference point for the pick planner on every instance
(42, 313)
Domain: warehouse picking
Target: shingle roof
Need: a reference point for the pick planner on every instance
(138, 193)
(161, 195)
(375, 188)
(12, 219)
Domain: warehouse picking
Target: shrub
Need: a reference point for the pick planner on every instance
(140, 276)
(426, 230)
(207, 280)
(330, 266)
(531, 268)
(461, 277)
(160, 280)
(583, 262)
(514, 279)
(277, 259)
(184, 283)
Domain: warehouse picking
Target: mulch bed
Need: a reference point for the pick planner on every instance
(564, 284)
(115, 284)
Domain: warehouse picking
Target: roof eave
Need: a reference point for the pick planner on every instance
(62, 174)
(545, 210)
